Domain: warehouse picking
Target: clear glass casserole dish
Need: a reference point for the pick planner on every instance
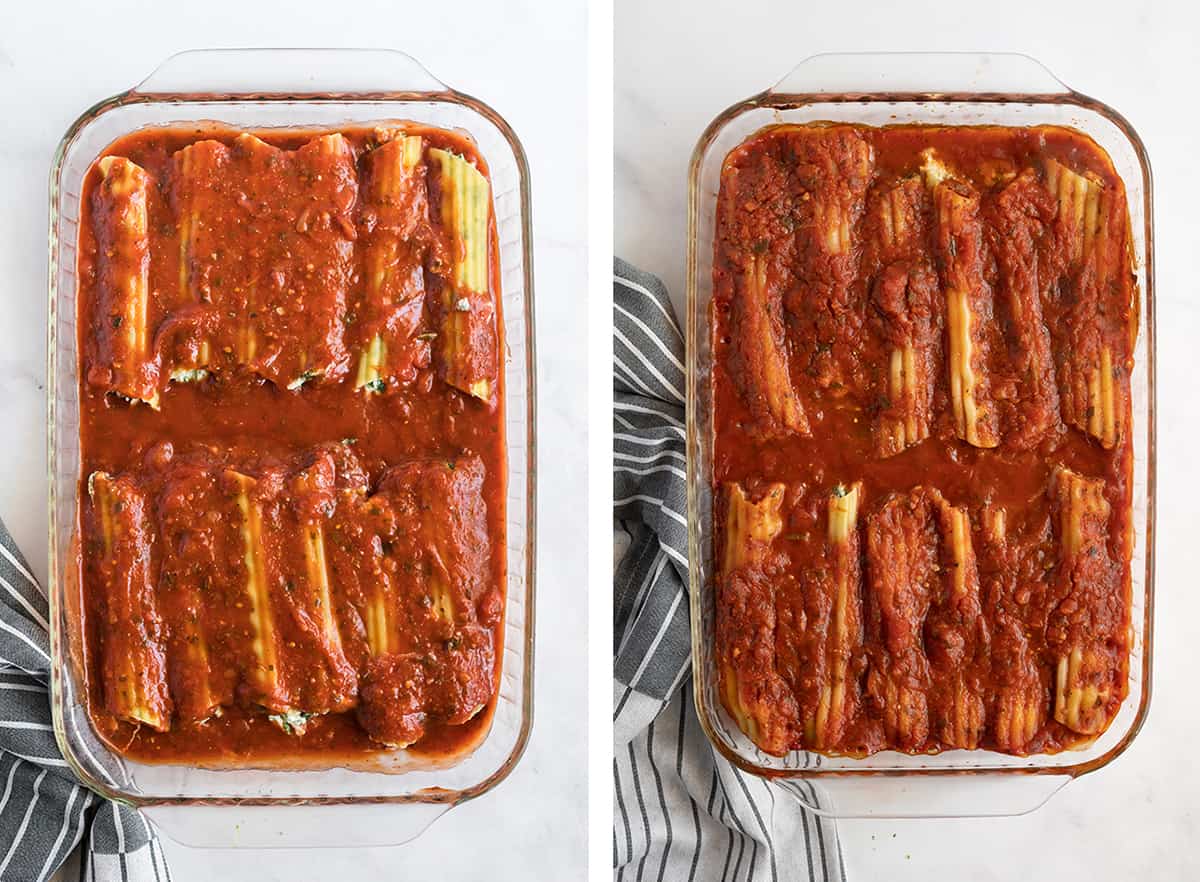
(394, 798)
(883, 89)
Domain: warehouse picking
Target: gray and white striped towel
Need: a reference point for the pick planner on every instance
(681, 811)
(44, 811)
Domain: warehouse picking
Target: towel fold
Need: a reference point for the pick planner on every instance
(45, 813)
(681, 811)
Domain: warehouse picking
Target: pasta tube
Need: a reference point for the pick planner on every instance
(750, 527)
(381, 599)
(189, 519)
(901, 577)
(432, 521)
(257, 155)
(127, 364)
(829, 171)
(133, 646)
(1080, 198)
(1090, 669)
(904, 297)
(1020, 696)
(959, 239)
(838, 694)
(1019, 707)
(1100, 325)
(426, 525)
(446, 499)
(1019, 217)
(395, 290)
(197, 169)
(1078, 701)
(772, 397)
(925, 611)
(380, 628)
(467, 336)
(953, 631)
(754, 693)
(758, 699)
(325, 227)
(834, 165)
(731, 692)
(265, 676)
(363, 569)
(326, 681)
(271, 301)
(318, 577)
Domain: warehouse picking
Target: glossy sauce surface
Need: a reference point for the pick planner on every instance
(808, 310)
(294, 262)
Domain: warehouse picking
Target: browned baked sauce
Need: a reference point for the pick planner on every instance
(922, 344)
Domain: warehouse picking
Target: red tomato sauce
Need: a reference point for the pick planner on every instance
(267, 263)
(845, 260)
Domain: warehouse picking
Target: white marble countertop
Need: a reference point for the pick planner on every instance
(56, 60)
(678, 64)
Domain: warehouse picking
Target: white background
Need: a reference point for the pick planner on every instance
(528, 61)
(678, 64)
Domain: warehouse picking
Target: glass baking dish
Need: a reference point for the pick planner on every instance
(395, 797)
(882, 89)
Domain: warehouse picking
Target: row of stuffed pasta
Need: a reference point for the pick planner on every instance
(298, 266)
(293, 587)
(921, 625)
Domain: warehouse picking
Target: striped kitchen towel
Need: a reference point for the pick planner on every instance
(44, 811)
(681, 811)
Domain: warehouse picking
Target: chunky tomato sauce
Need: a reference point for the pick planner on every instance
(292, 445)
(922, 345)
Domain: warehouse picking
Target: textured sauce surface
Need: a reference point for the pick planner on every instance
(295, 545)
(922, 341)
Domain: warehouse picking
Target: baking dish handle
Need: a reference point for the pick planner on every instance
(922, 73)
(926, 796)
(295, 826)
(290, 72)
